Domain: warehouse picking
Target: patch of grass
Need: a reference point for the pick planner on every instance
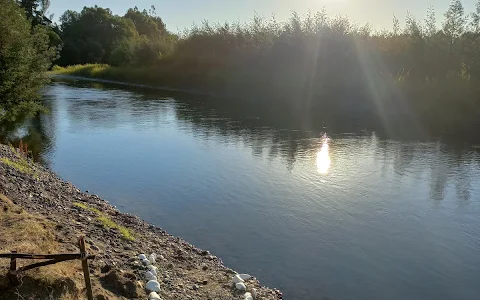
(81, 205)
(107, 222)
(86, 207)
(22, 165)
(90, 70)
(141, 75)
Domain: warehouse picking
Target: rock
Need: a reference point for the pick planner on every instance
(152, 257)
(154, 296)
(170, 266)
(142, 257)
(237, 279)
(153, 286)
(146, 262)
(205, 282)
(152, 269)
(241, 286)
(244, 276)
(204, 267)
(195, 287)
(248, 296)
(150, 276)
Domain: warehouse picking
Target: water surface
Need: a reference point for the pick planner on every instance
(354, 216)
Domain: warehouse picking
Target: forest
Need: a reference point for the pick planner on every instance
(314, 68)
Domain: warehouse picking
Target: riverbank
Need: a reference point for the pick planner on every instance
(61, 213)
(127, 83)
(143, 77)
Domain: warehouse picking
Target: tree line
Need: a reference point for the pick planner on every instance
(312, 68)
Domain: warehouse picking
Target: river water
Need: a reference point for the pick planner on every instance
(317, 214)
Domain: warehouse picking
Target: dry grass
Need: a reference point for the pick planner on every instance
(28, 233)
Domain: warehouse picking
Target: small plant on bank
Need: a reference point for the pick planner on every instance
(23, 148)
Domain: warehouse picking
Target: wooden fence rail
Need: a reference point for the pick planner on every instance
(51, 259)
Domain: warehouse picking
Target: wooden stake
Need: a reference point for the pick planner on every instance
(86, 271)
(12, 273)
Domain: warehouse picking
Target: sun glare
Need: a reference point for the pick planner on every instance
(323, 157)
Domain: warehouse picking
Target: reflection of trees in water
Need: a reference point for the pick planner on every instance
(268, 132)
(37, 132)
(404, 156)
(112, 107)
(464, 164)
(455, 164)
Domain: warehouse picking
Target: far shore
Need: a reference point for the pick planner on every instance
(131, 84)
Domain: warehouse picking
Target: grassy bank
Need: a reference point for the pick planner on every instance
(104, 71)
(28, 233)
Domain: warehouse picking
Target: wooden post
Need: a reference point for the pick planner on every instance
(12, 273)
(86, 271)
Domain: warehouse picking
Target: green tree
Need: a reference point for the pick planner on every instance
(430, 23)
(36, 10)
(92, 35)
(475, 23)
(146, 24)
(454, 24)
(25, 55)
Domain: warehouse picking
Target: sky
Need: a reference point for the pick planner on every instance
(181, 14)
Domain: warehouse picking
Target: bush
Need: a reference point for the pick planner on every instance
(25, 55)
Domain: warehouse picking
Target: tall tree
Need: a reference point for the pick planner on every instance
(430, 23)
(36, 11)
(396, 26)
(91, 35)
(454, 24)
(475, 23)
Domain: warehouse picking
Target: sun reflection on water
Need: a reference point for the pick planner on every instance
(323, 157)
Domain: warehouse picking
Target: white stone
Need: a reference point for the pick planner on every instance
(241, 286)
(154, 296)
(244, 276)
(150, 276)
(146, 262)
(237, 279)
(248, 296)
(153, 286)
(152, 257)
(152, 269)
(142, 257)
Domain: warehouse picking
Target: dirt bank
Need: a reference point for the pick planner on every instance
(44, 214)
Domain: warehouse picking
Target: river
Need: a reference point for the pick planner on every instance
(317, 214)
